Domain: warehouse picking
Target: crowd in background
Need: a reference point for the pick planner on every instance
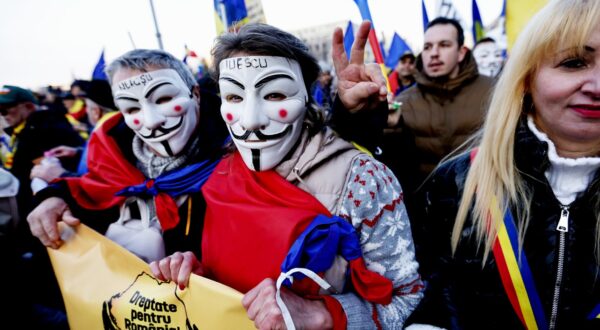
(461, 130)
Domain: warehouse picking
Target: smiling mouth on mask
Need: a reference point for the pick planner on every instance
(161, 131)
(261, 136)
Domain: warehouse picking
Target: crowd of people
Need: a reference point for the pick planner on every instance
(469, 197)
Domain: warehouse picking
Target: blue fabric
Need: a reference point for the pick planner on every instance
(365, 13)
(320, 242)
(175, 183)
(425, 17)
(348, 39)
(99, 69)
(477, 29)
(82, 166)
(397, 49)
(318, 94)
(235, 11)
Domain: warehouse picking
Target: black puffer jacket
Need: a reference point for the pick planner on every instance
(461, 294)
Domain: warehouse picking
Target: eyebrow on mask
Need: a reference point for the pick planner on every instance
(265, 80)
(127, 98)
(233, 81)
(151, 90)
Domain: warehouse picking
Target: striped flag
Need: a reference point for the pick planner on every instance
(478, 32)
(230, 15)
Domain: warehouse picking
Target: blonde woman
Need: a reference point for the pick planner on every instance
(513, 227)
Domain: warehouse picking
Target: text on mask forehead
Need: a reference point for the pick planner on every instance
(246, 63)
(136, 81)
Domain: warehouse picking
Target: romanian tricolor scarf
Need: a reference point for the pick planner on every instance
(514, 270)
(111, 178)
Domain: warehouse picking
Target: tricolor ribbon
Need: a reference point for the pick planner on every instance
(514, 270)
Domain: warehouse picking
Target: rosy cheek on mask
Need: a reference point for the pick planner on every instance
(229, 117)
(178, 108)
(134, 122)
(283, 113)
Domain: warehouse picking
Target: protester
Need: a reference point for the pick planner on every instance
(264, 76)
(404, 72)
(439, 113)
(99, 106)
(489, 57)
(321, 89)
(524, 206)
(30, 132)
(157, 139)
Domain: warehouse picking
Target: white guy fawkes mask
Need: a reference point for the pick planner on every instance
(160, 108)
(263, 104)
(489, 58)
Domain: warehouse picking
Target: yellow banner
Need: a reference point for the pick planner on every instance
(104, 286)
(518, 13)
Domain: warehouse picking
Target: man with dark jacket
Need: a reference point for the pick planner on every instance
(440, 112)
(29, 133)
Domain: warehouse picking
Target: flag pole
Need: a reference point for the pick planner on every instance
(160, 44)
(131, 39)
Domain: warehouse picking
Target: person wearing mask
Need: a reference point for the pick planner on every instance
(289, 168)
(489, 57)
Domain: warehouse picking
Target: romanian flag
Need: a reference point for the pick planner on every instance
(230, 15)
(478, 32)
(518, 14)
(188, 53)
(365, 13)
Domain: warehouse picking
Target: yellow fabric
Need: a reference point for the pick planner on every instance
(77, 106)
(106, 287)
(361, 148)
(518, 13)
(10, 147)
(105, 117)
(513, 268)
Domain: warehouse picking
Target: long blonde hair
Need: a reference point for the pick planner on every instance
(561, 24)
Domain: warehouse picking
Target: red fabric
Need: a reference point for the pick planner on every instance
(393, 79)
(340, 322)
(252, 219)
(80, 114)
(109, 172)
(506, 279)
(370, 285)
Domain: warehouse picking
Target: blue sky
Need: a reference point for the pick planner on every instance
(54, 41)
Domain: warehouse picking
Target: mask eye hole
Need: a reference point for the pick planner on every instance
(132, 110)
(164, 99)
(232, 98)
(275, 97)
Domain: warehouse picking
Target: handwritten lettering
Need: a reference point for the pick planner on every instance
(140, 80)
(245, 62)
